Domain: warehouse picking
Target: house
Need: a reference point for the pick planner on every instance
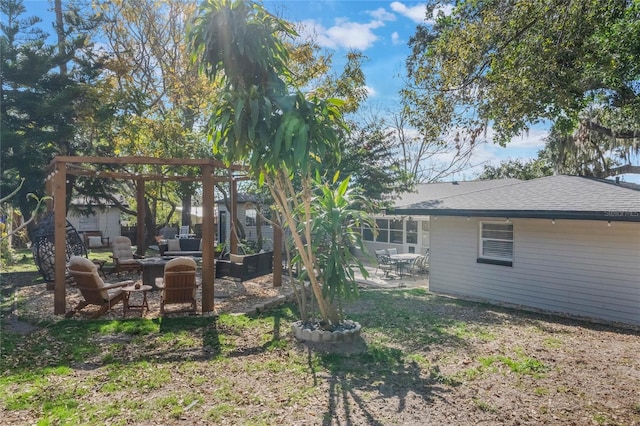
(410, 233)
(560, 244)
(247, 212)
(103, 217)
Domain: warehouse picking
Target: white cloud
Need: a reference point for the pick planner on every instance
(416, 13)
(345, 34)
(370, 90)
(395, 38)
(445, 9)
(534, 138)
(382, 15)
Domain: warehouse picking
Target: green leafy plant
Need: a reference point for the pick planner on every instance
(335, 230)
(264, 121)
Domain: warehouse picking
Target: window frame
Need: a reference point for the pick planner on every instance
(494, 260)
(251, 219)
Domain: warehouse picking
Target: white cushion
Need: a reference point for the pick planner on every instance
(235, 258)
(95, 242)
(173, 245)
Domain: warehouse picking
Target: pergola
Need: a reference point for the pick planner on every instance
(62, 166)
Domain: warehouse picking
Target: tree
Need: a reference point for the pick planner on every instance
(511, 64)
(41, 108)
(518, 169)
(158, 97)
(370, 157)
(281, 133)
(425, 156)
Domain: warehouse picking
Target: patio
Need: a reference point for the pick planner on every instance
(257, 294)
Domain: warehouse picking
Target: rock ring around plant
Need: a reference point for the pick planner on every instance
(347, 331)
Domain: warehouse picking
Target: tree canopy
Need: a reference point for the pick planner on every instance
(47, 93)
(511, 64)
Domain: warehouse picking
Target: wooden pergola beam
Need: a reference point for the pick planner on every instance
(143, 176)
(149, 161)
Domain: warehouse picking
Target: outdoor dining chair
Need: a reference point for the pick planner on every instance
(384, 263)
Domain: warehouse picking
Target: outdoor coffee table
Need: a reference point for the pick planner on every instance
(128, 307)
(152, 268)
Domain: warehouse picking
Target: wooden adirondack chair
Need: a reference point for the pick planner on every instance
(94, 291)
(179, 285)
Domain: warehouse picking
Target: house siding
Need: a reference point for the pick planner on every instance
(108, 222)
(581, 268)
(251, 231)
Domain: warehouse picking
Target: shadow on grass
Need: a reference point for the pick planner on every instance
(380, 370)
(91, 344)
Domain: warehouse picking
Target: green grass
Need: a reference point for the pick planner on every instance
(23, 259)
(521, 364)
(418, 349)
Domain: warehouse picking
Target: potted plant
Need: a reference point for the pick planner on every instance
(282, 134)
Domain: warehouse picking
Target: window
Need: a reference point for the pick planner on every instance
(250, 217)
(88, 223)
(396, 231)
(383, 230)
(496, 243)
(412, 231)
(367, 233)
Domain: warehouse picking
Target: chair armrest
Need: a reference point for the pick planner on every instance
(117, 285)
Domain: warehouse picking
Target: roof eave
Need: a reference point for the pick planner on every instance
(617, 216)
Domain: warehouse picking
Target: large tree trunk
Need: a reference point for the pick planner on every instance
(60, 32)
(186, 211)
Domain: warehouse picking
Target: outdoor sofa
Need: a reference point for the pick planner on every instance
(245, 267)
(182, 247)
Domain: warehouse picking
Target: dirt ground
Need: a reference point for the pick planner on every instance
(501, 367)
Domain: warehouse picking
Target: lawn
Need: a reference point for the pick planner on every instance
(423, 359)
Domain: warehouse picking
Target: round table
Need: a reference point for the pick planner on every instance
(128, 307)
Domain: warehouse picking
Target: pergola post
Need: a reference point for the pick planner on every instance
(140, 221)
(233, 245)
(208, 236)
(60, 237)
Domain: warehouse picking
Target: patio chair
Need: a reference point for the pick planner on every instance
(124, 260)
(94, 291)
(179, 285)
(421, 264)
(184, 232)
(384, 262)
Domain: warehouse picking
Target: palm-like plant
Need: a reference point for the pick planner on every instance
(337, 216)
(262, 120)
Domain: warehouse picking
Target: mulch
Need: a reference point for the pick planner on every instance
(31, 300)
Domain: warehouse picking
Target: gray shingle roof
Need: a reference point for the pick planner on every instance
(549, 197)
(430, 191)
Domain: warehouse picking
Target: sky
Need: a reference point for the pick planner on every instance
(381, 31)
